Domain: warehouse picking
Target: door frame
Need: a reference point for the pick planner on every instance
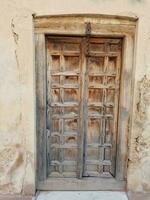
(74, 25)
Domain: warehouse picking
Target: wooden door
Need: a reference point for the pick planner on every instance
(101, 106)
(64, 90)
(82, 106)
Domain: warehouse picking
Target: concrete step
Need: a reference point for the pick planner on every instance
(83, 195)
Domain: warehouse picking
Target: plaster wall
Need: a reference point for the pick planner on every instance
(17, 88)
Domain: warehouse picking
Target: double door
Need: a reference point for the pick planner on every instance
(82, 106)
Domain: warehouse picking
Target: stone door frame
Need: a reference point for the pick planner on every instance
(74, 25)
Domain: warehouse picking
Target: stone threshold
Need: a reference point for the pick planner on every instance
(85, 195)
(82, 195)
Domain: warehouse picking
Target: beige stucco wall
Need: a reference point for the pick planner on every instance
(17, 88)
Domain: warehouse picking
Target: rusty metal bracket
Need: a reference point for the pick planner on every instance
(88, 29)
(88, 34)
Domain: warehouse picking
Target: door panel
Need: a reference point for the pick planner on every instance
(103, 75)
(82, 106)
(63, 106)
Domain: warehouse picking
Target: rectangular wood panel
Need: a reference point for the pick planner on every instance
(101, 106)
(63, 105)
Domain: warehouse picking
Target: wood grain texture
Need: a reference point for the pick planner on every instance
(85, 100)
(75, 25)
(102, 106)
(64, 105)
(85, 184)
(40, 59)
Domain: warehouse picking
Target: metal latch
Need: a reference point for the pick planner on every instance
(47, 133)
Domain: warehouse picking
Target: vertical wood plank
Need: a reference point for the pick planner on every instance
(125, 107)
(104, 131)
(85, 107)
(40, 105)
(48, 108)
(116, 108)
(62, 67)
(81, 112)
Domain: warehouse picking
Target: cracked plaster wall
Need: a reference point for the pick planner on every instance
(17, 88)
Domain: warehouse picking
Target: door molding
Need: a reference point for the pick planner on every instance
(74, 25)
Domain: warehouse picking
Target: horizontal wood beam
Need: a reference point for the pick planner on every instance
(85, 184)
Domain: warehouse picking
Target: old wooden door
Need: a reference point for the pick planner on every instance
(82, 106)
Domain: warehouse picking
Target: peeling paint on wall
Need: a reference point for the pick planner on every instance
(140, 153)
(16, 160)
(143, 104)
(11, 159)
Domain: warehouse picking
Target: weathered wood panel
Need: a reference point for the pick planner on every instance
(102, 98)
(75, 25)
(63, 105)
(84, 184)
(82, 106)
(41, 105)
